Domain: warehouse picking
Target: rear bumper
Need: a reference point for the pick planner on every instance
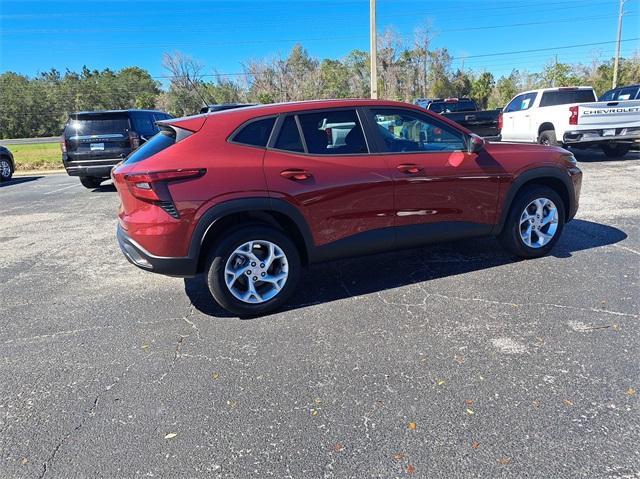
(183, 267)
(97, 168)
(585, 137)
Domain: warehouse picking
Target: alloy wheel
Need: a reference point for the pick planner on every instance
(538, 223)
(5, 169)
(256, 271)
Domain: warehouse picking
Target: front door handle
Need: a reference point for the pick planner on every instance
(409, 168)
(296, 174)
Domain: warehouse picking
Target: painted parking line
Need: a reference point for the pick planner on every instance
(62, 189)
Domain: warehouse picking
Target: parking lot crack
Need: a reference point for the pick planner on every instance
(54, 452)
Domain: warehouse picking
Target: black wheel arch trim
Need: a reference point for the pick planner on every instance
(247, 205)
(541, 173)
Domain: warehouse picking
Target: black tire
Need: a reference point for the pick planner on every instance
(615, 151)
(225, 248)
(548, 137)
(90, 182)
(5, 165)
(510, 236)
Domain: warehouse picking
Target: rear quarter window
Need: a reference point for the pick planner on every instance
(255, 133)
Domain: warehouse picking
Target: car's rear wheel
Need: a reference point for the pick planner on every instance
(253, 270)
(548, 137)
(90, 182)
(534, 223)
(615, 151)
(6, 170)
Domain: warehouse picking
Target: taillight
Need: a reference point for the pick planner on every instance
(63, 144)
(573, 119)
(500, 121)
(134, 139)
(152, 186)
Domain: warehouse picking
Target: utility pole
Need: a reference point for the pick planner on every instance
(617, 61)
(555, 71)
(373, 47)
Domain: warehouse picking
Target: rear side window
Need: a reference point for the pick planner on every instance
(144, 125)
(564, 97)
(156, 144)
(89, 125)
(629, 93)
(256, 133)
(333, 133)
(289, 137)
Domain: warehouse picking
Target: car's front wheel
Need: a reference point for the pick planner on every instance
(534, 223)
(90, 182)
(6, 170)
(253, 270)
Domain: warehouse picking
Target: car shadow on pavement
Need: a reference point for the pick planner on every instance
(108, 188)
(16, 180)
(341, 279)
(596, 156)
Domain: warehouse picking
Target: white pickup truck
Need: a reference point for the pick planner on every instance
(572, 117)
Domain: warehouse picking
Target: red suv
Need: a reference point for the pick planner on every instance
(250, 196)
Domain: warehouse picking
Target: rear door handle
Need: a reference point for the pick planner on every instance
(296, 174)
(409, 168)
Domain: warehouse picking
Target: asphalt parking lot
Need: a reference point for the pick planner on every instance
(451, 360)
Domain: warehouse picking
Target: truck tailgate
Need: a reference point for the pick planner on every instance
(614, 113)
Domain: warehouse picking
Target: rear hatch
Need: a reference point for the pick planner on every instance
(97, 136)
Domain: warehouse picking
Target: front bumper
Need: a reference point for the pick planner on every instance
(183, 267)
(608, 135)
(575, 174)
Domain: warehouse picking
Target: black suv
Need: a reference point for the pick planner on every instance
(93, 142)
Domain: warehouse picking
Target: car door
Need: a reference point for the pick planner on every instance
(441, 188)
(319, 161)
(518, 118)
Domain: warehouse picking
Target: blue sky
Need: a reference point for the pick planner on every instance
(36, 35)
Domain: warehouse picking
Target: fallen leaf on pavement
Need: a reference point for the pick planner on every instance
(458, 359)
(567, 402)
(475, 444)
(314, 412)
(145, 346)
(410, 469)
(171, 435)
(412, 425)
(631, 392)
(318, 401)
(439, 382)
(398, 456)
(24, 460)
(215, 376)
(535, 403)
(470, 412)
(231, 403)
(504, 460)
(338, 447)
(468, 402)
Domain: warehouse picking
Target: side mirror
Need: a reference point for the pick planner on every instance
(475, 144)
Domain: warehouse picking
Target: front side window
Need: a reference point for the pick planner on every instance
(289, 137)
(255, 133)
(333, 133)
(521, 102)
(408, 131)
